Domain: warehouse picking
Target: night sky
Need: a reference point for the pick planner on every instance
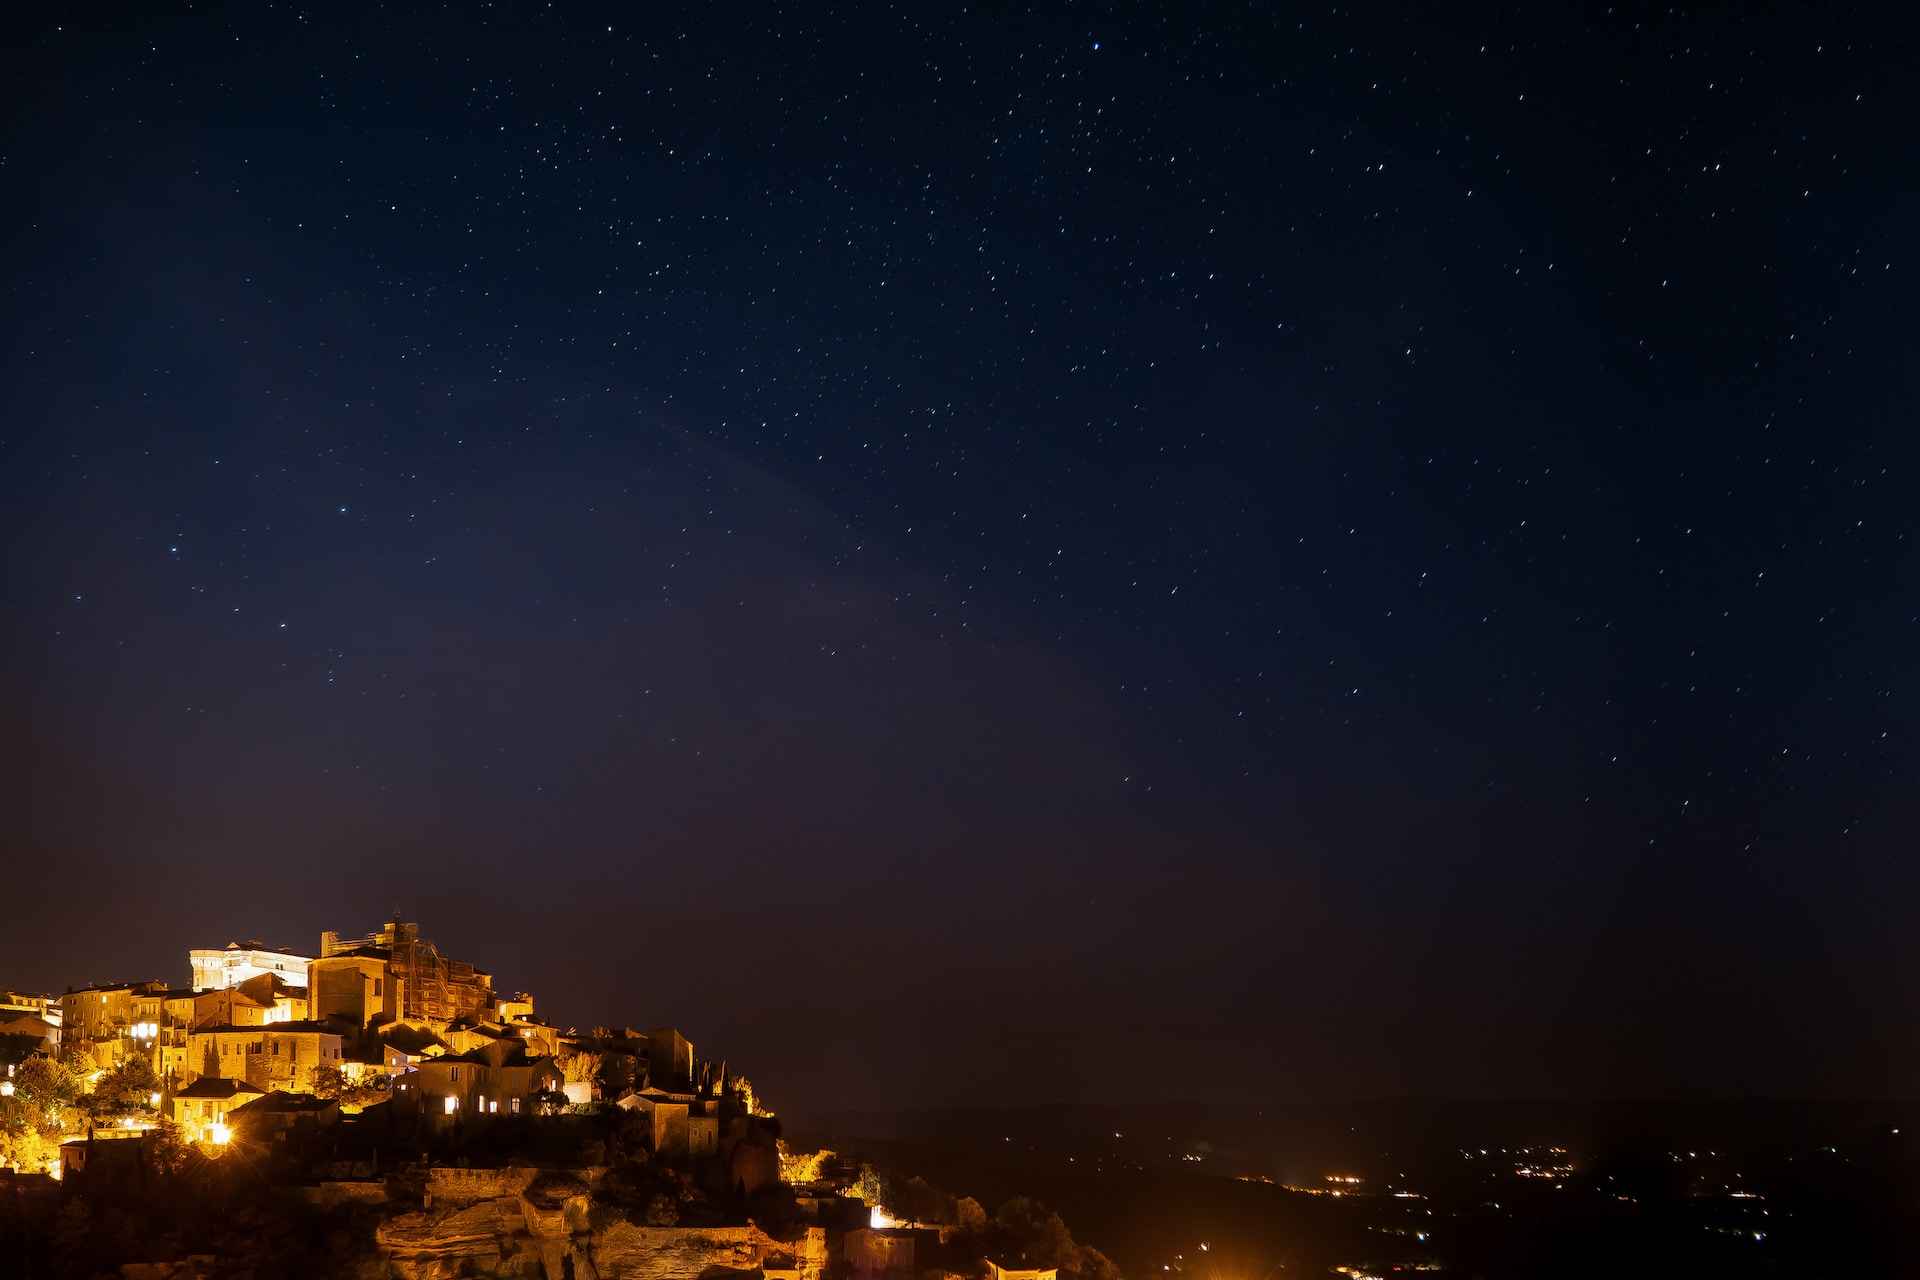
(986, 554)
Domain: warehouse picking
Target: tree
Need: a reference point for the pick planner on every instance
(581, 1066)
(367, 1091)
(618, 1072)
(744, 1094)
(126, 1089)
(27, 1149)
(802, 1166)
(870, 1188)
(1095, 1265)
(166, 1148)
(970, 1216)
(34, 1119)
(1034, 1234)
(46, 1083)
(354, 1096)
(917, 1200)
(329, 1081)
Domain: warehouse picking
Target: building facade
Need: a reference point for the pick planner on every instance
(356, 987)
(16, 1005)
(498, 1080)
(110, 1023)
(283, 1056)
(236, 962)
(669, 1058)
(207, 1102)
(428, 986)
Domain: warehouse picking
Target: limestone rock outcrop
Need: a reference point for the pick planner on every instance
(542, 1226)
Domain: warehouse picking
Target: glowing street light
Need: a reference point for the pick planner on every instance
(219, 1135)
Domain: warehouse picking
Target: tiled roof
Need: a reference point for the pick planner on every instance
(281, 1101)
(215, 1087)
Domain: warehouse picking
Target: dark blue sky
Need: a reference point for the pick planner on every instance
(949, 550)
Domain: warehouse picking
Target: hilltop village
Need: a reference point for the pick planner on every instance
(380, 1109)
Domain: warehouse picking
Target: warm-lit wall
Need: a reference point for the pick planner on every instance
(267, 1057)
(196, 1116)
(226, 1007)
(477, 1088)
(356, 987)
(213, 969)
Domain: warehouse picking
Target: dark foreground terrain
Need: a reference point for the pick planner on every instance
(1523, 1190)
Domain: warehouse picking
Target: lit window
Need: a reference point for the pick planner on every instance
(516, 1106)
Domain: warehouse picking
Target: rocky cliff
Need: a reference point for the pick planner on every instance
(515, 1222)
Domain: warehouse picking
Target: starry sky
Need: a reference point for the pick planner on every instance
(983, 553)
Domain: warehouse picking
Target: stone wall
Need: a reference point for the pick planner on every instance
(458, 1186)
(331, 1195)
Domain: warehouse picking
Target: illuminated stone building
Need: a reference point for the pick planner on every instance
(285, 1001)
(497, 1079)
(271, 1056)
(15, 1005)
(238, 961)
(513, 1008)
(879, 1250)
(261, 999)
(227, 1007)
(161, 1018)
(465, 1035)
(428, 986)
(540, 1037)
(108, 1022)
(357, 987)
(671, 1120)
(997, 1272)
(669, 1057)
(24, 1027)
(276, 1114)
(207, 1102)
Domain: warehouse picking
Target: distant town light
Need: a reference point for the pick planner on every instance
(6, 1088)
(153, 1099)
